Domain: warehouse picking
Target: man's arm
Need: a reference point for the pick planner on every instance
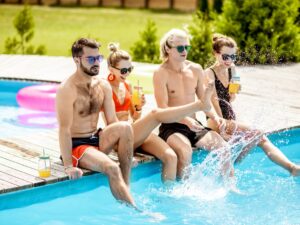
(108, 103)
(160, 89)
(64, 111)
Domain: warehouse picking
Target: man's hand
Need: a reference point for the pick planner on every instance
(192, 124)
(73, 172)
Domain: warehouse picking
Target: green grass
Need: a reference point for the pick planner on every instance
(58, 27)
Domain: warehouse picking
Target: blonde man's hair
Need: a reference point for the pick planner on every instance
(116, 55)
(167, 41)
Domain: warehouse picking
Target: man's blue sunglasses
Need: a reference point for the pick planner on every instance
(92, 59)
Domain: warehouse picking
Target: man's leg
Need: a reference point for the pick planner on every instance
(160, 149)
(183, 149)
(95, 160)
(119, 134)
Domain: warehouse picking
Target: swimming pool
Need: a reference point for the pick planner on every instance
(12, 116)
(270, 196)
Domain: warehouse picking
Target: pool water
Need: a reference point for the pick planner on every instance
(269, 196)
(15, 119)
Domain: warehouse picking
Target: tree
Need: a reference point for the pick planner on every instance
(218, 5)
(265, 31)
(146, 49)
(24, 25)
(201, 40)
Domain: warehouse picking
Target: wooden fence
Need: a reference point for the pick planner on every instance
(184, 5)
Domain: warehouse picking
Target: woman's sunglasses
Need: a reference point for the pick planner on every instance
(92, 59)
(226, 57)
(124, 70)
(181, 48)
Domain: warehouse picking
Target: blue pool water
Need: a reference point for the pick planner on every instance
(269, 195)
(12, 116)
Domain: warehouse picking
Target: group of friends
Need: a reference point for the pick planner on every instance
(181, 88)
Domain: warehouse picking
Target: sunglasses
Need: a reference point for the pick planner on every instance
(124, 70)
(226, 57)
(92, 59)
(181, 48)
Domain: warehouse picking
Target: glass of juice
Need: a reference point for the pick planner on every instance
(137, 95)
(44, 166)
(234, 88)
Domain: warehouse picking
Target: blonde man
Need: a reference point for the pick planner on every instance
(176, 82)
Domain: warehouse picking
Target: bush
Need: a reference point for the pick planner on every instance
(201, 41)
(265, 31)
(24, 25)
(146, 49)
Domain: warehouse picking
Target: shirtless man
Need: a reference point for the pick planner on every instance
(79, 100)
(176, 82)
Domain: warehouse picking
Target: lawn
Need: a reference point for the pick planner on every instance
(58, 27)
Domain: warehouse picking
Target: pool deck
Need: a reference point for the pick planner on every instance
(270, 100)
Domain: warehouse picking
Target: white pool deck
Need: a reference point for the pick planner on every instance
(270, 100)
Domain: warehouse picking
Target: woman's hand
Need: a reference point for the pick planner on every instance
(232, 97)
(143, 100)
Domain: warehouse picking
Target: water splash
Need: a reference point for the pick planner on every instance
(207, 181)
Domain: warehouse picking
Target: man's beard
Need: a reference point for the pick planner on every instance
(93, 71)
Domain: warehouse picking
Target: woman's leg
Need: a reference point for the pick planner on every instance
(160, 149)
(212, 141)
(233, 127)
(278, 157)
(144, 126)
(258, 138)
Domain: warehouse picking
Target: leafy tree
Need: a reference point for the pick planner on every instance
(265, 31)
(146, 49)
(24, 25)
(218, 5)
(203, 6)
(201, 33)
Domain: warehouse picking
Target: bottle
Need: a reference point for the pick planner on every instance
(44, 166)
(137, 95)
(234, 85)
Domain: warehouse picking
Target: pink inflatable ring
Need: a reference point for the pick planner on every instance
(38, 97)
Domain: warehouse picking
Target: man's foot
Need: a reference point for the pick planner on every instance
(134, 162)
(295, 170)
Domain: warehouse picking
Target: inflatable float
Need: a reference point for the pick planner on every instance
(38, 97)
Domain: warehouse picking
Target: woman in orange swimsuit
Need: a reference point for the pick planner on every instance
(220, 73)
(119, 64)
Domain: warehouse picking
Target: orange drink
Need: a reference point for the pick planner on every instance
(44, 173)
(136, 95)
(44, 166)
(234, 88)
